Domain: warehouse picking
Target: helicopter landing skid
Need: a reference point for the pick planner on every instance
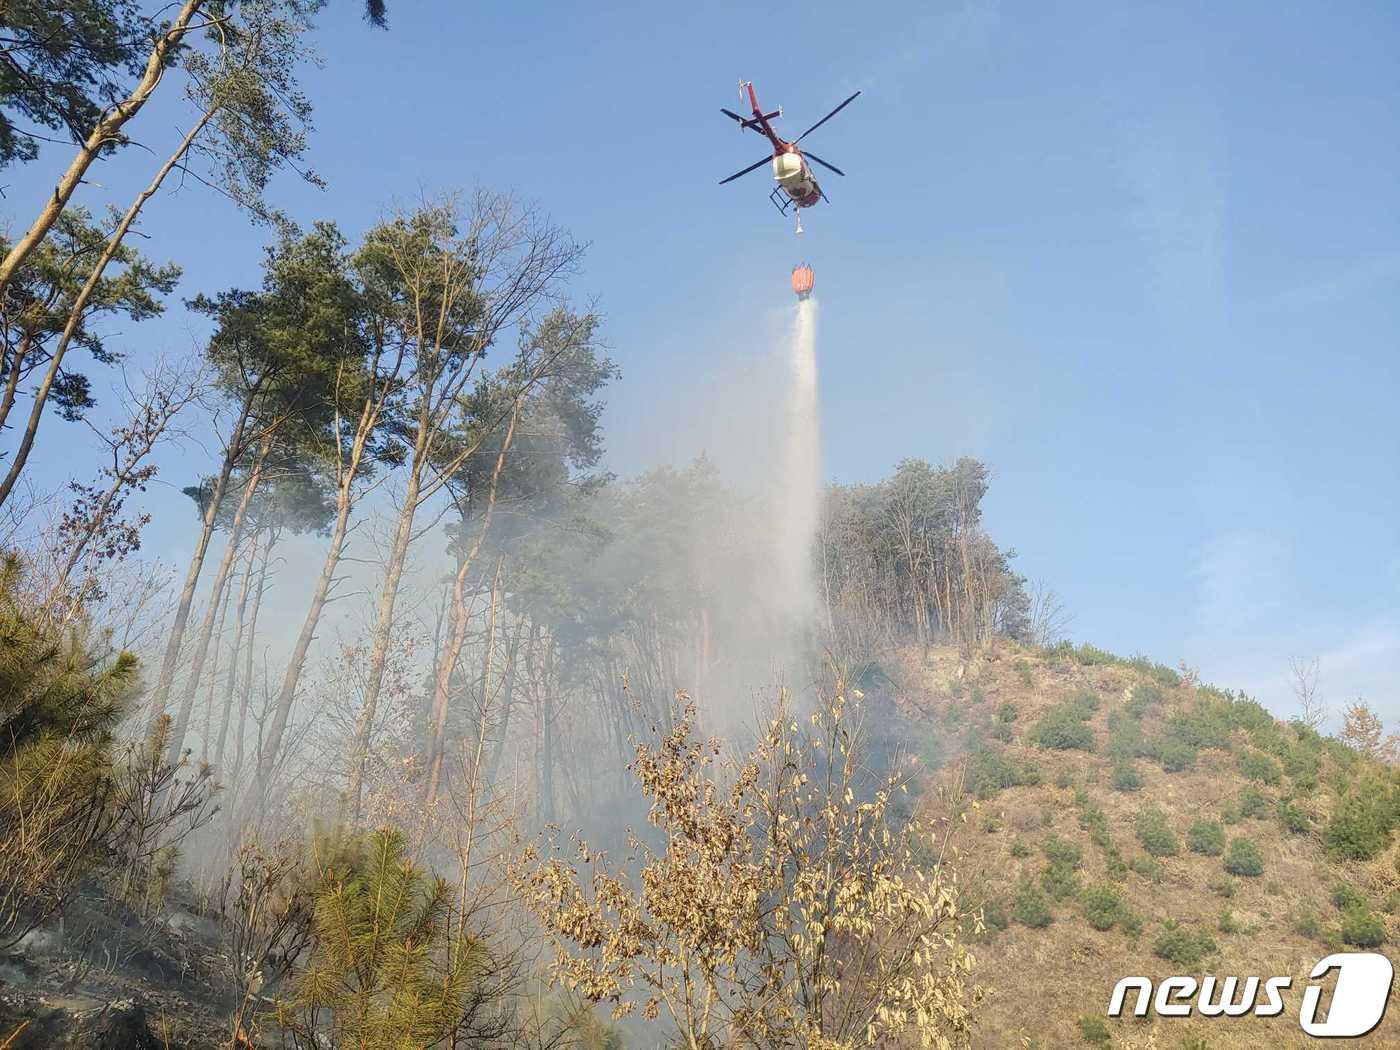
(783, 202)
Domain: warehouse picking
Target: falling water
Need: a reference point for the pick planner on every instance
(799, 474)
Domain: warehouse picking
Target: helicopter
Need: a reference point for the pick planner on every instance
(797, 187)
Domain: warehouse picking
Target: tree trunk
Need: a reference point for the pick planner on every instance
(161, 693)
(547, 736)
(507, 698)
(75, 315)
(206, 628)
(207, 731)
(447, 664)
(240, 626)
(107, 130)
(16, 365)
(379, 651)
(348, 472)
(246, 696)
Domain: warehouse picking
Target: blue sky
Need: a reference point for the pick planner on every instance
(1142, 259)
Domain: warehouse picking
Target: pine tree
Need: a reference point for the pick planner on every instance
(386, 969)
(58, 707)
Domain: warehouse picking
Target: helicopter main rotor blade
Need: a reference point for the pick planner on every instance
(824, 119)
(731, 114)
(825, 164)
(751, 167)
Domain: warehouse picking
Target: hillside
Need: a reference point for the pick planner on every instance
(1125, 815)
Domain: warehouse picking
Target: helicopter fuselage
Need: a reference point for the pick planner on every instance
(794, 176)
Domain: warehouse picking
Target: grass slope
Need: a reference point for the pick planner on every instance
(1129, 821)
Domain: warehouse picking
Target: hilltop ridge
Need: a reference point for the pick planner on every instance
(1128, 819)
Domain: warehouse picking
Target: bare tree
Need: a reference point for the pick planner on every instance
(1050, 619)
(92, 529)
(1312, 710)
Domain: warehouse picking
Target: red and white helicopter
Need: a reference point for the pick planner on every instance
(797, 187)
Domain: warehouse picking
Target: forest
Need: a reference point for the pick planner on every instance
(423, 643)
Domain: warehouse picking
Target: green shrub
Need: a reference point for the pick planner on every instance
(1144, 698)
(1230, 813)
(1161, 674)
(1001, 731)
(1031, 908)
(1102, 906)
(1206, 725)
(1085, 702)
(1268, 737)
(990, 770)
(1094, 1030)
(1244, 858)
(1305, 783)
(1227, 922)
(1062, 851)
(977, 695)
(1254, 803)
(1059, 881)
(1206, 836)
(1257, 766)
(1223, 885)
(1306, 924)
(1361, 929)
(1125, 738)
(1092, 818)
(1007, 712)
(1341, 755)
(1294, 818)
(1345, 896)
(1130, 922)
(1063, 728)
(1183, 947)
(1361, 825)
(1092, 656)
(1126, 777)
(1155, 833)
(1307, 736)
(1148, 868)
(1064, 778)
(1114, 866)
(1174, 755)
(1019, 848)
(1252, 716)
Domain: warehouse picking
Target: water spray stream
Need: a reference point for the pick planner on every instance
(799, 472)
